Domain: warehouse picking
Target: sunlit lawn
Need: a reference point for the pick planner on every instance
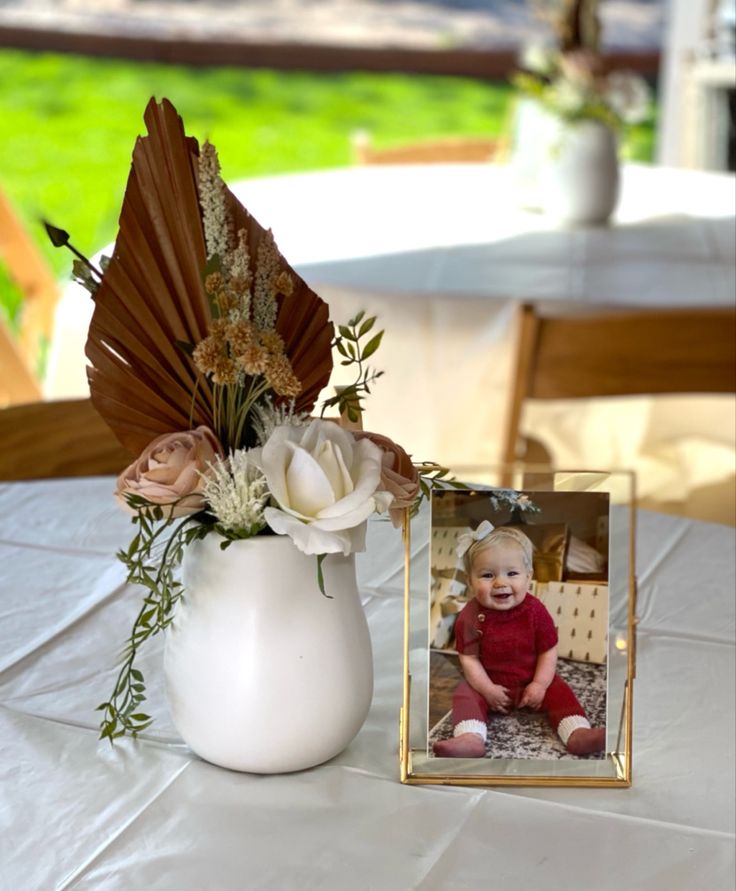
(68, 124)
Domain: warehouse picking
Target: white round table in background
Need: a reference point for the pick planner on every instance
(443, 254)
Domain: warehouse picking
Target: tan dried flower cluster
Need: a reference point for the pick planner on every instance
(237, 348)
(280, 375)
(242, 340)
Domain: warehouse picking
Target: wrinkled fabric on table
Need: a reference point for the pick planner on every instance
(77, 813)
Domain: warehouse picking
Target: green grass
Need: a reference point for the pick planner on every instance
(68, 125)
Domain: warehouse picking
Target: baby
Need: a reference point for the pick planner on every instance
(507, 643)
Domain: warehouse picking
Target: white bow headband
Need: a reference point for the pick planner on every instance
(465, 540)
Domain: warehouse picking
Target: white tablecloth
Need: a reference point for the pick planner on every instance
(443, 253)
(76, 813)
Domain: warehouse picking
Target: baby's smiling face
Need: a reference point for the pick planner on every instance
(499, 578)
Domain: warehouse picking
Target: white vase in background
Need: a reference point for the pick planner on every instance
(580, 180)
(533, 132)
(264, 673)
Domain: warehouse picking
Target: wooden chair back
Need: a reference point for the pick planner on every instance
(67, 438)
(26, 267)
(57, 439)
(435, 151)
(582, 354)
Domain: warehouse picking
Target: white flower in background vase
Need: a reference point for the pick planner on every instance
(569, 98)
(539, 57)
(628, 96)
(577, 176)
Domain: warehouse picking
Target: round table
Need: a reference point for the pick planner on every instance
(443, 253)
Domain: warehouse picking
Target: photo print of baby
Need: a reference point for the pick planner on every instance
(518, 624)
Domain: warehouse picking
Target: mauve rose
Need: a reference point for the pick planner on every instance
(169, 469)
(398, 475)
(581, 65)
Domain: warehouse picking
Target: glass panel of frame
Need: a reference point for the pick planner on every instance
(543, 608)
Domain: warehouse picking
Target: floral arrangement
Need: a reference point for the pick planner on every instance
(207, 352)
(573, 86)
(569, 79)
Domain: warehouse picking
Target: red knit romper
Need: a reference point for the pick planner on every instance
(509, 642)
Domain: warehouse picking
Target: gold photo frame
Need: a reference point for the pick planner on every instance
(581, 528)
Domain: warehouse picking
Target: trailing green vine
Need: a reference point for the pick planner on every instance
(123, 712)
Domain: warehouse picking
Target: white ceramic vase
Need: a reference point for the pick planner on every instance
(580, 181)
(264, 673)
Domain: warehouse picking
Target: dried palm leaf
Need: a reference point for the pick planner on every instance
(152, 298)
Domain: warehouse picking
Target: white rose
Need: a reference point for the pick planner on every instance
(325, 484)
(628, 95)
(568, 97)
(539, 58)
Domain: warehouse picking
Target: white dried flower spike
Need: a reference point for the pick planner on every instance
(268, 266)
(237, 493)
(628, 95)
(267, 417)
(217, 232)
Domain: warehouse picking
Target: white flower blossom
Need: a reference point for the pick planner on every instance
(628, 95)
(267, 417)
(568, 97)
(237, 493)
(539, 58)
(325, 484)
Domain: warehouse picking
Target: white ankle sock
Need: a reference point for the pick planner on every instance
(569, 725)
(471, 726)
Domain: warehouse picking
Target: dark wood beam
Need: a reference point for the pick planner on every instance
(490, 64)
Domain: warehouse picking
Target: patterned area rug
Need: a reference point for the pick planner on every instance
(527, 734)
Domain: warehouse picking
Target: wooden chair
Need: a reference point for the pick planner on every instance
(67, 438)
(431, 151)
(27, 268)
(581, 354)
(57, 439)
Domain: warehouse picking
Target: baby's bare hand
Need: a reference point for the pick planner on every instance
(532, 696)
(498, 699)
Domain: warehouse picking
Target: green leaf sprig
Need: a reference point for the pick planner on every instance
(542, 90)
(151, 559)
(349, 398)
(433, 476)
